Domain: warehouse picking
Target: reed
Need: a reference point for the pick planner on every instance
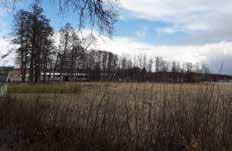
(118, 117)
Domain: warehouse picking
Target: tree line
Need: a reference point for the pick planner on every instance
(41, 60)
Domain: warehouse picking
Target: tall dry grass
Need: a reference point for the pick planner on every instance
(130, 117)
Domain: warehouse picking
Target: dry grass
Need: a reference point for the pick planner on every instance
(44, 88)
(119, 116)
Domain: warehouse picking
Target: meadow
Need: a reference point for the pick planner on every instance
(106, 116)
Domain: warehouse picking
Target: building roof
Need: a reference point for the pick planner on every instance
(5, 69)
(4, 73)
(4, 78)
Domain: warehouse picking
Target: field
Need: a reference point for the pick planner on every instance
(116, 116)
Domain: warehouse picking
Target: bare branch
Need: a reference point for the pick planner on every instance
(99, 14)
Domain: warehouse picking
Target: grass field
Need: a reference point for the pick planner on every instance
(117, 116)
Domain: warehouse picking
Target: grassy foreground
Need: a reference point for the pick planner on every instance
(119, 116)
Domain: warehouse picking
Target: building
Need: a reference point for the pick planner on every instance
(4, 79)
(5, 69)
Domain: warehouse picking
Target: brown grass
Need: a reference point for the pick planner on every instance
(119, 116)
(44, 88)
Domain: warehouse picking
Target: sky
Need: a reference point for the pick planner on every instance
(184, 30)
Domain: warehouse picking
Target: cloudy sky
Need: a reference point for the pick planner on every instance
(183, 30)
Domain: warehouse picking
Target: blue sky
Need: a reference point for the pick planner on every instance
(183, 30)
(151, 21)
(138, 29)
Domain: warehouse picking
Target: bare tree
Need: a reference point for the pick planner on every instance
(158, 61)
(188, 67)
(97, 13)
(66, 34)
(150, 65)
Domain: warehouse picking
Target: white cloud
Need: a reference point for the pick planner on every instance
(209, 19)
(168, 30)
(6, 47)
(198, 27)
(214, 54)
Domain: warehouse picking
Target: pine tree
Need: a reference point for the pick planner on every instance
(33, 35)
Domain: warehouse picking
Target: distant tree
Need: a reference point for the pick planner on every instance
(48, 51)
(77, 55)
(174, 67)
(111, 64)
(205, 68)
(71, 55)
(158, 64)
(22, 32)
(150, 65)
(41, 31)
(205, 71)
(66, 35)
(174, 70)
(143, 74)
(143, 61)
(33, 35)
(164, 66)
(97, 72)
(197, 68)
